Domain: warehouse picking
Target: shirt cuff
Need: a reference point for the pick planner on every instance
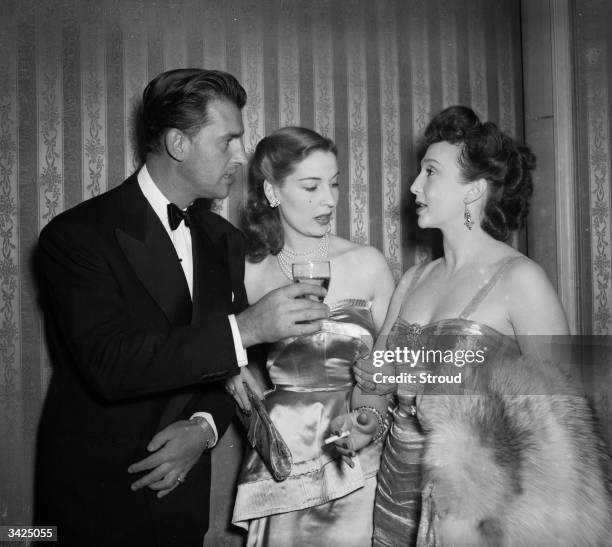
(241, 355)
(211, 422)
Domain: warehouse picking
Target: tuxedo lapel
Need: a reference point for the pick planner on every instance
(147, 247)
(231, 260)
(212, 289)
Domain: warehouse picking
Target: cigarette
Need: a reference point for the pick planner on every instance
(335, 438)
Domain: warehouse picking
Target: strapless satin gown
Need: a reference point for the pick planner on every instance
(397, 511)
(398, 498)
(324, 501)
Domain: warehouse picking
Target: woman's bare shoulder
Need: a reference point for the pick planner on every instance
(523, 272)
(533, 304)
(366, 256)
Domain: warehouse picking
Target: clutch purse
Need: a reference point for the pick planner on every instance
(265, 438)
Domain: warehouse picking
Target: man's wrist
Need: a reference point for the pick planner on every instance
(206, 422)
(246, 335)
(241, 354)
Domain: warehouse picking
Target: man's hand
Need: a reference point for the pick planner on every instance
(176, 449)
(236, 388)
(275, 316)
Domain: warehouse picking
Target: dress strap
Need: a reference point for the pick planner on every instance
(484, 291)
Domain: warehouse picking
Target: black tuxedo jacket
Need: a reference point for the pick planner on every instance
(131, 354)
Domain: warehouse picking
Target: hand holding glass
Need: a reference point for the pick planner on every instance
(313, 272)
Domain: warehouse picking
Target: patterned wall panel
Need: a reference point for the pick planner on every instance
(356, 97)
(93, 69)
(323, 76)
(137, 51)
(421, 69)
(449, 51)
(390, 173)
(75, 140)
(593, 56)
(50, 116)
(50, 129)
(11, 379)
(594, 61)
(506, 73)
(368, 74)
(288, 64)
(114, 93)
(477, 48)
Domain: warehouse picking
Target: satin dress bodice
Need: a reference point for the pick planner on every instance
(322, 361)
(313, 381)
(447, 337)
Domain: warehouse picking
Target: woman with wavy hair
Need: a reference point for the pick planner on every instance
(502, 468)
(293, 188)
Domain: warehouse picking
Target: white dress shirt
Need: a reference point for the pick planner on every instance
(181, 240)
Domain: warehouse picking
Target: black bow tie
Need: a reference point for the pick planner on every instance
(176, 216)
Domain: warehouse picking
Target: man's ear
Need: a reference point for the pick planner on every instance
(176, 143)
(476, 190)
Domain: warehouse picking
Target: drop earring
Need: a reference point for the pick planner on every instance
(467, 217)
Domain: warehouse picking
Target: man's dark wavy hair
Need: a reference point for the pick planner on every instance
(179, 99)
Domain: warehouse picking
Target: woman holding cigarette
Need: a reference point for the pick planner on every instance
(293, 187)
(482, 295)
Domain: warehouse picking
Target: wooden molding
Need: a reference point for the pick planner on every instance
(565, 170)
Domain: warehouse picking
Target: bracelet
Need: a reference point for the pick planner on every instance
(383, 423)
(203, 423)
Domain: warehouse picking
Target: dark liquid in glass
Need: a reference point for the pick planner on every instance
(321, 281)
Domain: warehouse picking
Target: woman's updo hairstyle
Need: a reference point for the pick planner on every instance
(275, 158)
(488, 153)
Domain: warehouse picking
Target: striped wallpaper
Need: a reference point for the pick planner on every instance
(594, 80)
(593, 58)
(367, 73)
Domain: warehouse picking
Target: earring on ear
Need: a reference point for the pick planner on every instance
(274, 202)
(467, 217)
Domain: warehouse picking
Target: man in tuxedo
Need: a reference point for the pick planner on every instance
(146, 316)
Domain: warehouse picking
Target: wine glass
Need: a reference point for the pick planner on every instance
(314, 272)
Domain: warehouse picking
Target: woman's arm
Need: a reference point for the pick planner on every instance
(368, 393)
(533, 308)
(365, 369)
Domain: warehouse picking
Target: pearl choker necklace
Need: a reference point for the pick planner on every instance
(287, 257)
